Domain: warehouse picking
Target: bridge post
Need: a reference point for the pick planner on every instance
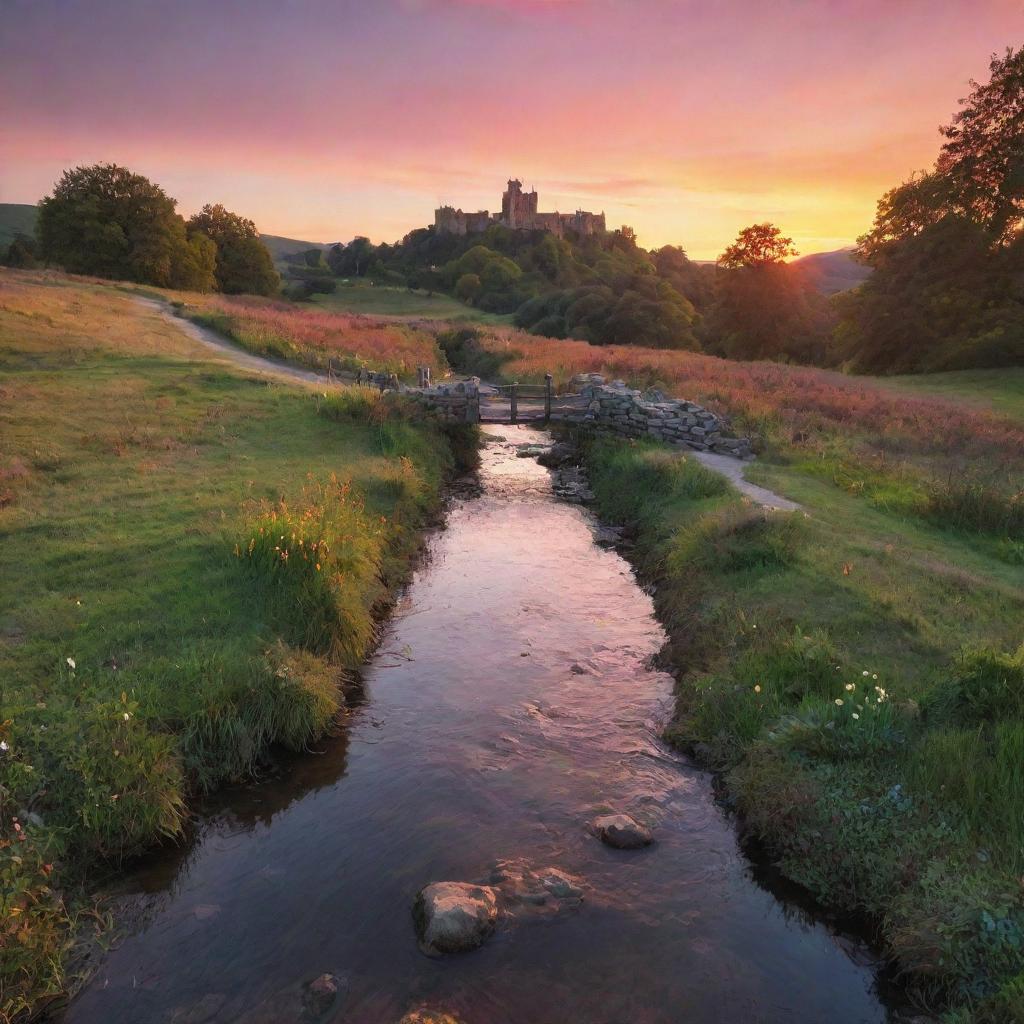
(547, 398)
(514, 402)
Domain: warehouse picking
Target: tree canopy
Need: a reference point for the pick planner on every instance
(107, 221)
(243, 262)
(947, 249)
(757, 246)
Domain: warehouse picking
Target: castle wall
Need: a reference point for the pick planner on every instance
(519, 212)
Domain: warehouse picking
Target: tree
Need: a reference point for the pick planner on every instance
(352, 260)
(244, 263)
(468, 287)
(21, 253)
(946, 247)
(106, 220)
(757, 246)
(983, 156)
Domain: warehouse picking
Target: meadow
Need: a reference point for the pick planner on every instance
(403, 303)
(902, 447)
(193, 560)
(317, 339)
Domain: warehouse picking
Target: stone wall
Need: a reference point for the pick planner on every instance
(451, 403)
(628, 413)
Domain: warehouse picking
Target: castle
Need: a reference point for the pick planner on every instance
(519, 212)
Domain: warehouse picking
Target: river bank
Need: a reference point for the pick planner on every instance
(820, 671)
(512, 703)
(196, 561)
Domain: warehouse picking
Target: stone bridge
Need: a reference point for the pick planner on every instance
(608, 407)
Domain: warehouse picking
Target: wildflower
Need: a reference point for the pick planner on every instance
(757, 688)
(874, 675)
(839, 701)
(71, 663)
(127, 715)
(865, 673)
(855, 715)
(4, 746)
(850, 686)
(317, 566)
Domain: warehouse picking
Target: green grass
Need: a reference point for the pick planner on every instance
(381, 300)
(1002, 391)
(146, 649)
(855, 673)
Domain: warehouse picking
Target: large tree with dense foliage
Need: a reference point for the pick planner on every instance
(762, 308)
(244, 264)
(946, 247)
(108, 221)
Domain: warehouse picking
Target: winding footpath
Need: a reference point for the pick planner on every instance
(730, 468)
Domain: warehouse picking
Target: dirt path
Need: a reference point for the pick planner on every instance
(728, 467)
(733, 470)
(236, 355)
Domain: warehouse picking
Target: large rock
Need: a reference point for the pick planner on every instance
(452, 917)
(320, 995)
(622, 832)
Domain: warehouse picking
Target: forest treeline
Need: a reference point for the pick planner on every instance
(946, 254)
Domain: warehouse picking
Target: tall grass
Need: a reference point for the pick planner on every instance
(932, 458)
(318, 339)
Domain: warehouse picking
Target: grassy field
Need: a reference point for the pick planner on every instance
(858, 679)
(379, 300)
(315, 338)
(192, 562)
(1001, 391)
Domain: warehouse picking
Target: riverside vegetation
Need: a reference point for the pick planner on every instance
(896, 794)
(855, 672)
(193, 562)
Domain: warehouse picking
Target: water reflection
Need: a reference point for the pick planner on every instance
(513, 700)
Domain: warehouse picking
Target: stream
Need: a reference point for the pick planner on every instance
(510, 703)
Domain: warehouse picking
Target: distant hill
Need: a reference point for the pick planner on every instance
(16, 219)
(281, 248)
(831, 272)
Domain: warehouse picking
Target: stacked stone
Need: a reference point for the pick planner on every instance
(451, 403)
(625, 412)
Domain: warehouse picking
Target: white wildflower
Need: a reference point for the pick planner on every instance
(71, 663)
(839, 701)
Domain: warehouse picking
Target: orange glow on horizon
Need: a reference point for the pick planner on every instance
(331, 120)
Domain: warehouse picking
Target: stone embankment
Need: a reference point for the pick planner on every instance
(629, 413)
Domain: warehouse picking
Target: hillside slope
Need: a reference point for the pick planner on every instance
(831, 272)
(16, 219)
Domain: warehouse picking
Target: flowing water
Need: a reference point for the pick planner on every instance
(477, 741)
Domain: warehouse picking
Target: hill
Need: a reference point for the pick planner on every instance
(16, 219)
(281, 248)
(831, 272)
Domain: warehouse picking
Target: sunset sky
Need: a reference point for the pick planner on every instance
(323, 119)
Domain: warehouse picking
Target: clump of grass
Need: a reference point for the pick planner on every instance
(977, 506)
(316, 564)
